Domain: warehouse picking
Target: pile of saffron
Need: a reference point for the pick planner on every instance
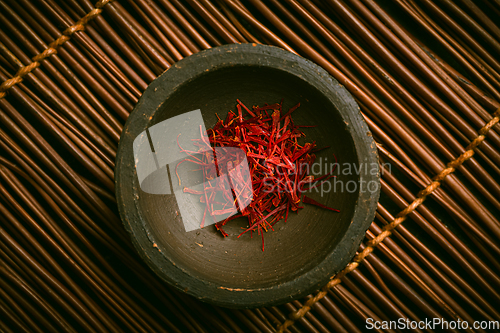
(278, 168)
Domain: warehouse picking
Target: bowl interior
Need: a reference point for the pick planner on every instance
(294, 247)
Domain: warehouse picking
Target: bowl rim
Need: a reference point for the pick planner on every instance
(227, 56)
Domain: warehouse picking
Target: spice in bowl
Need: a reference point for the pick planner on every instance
(275, 179)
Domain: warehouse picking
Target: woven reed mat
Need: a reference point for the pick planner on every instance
(424, 74)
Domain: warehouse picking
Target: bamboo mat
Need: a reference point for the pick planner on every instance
(425, 74)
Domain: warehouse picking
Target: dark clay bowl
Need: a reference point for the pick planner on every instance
(301, 255)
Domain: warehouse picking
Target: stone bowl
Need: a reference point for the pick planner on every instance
(302, 254)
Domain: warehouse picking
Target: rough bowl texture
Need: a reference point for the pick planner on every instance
(301, 255)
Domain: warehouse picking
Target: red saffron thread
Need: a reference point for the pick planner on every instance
(278, 166)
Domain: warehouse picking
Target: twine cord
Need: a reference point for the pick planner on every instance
(52, 47)
(400, 218)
